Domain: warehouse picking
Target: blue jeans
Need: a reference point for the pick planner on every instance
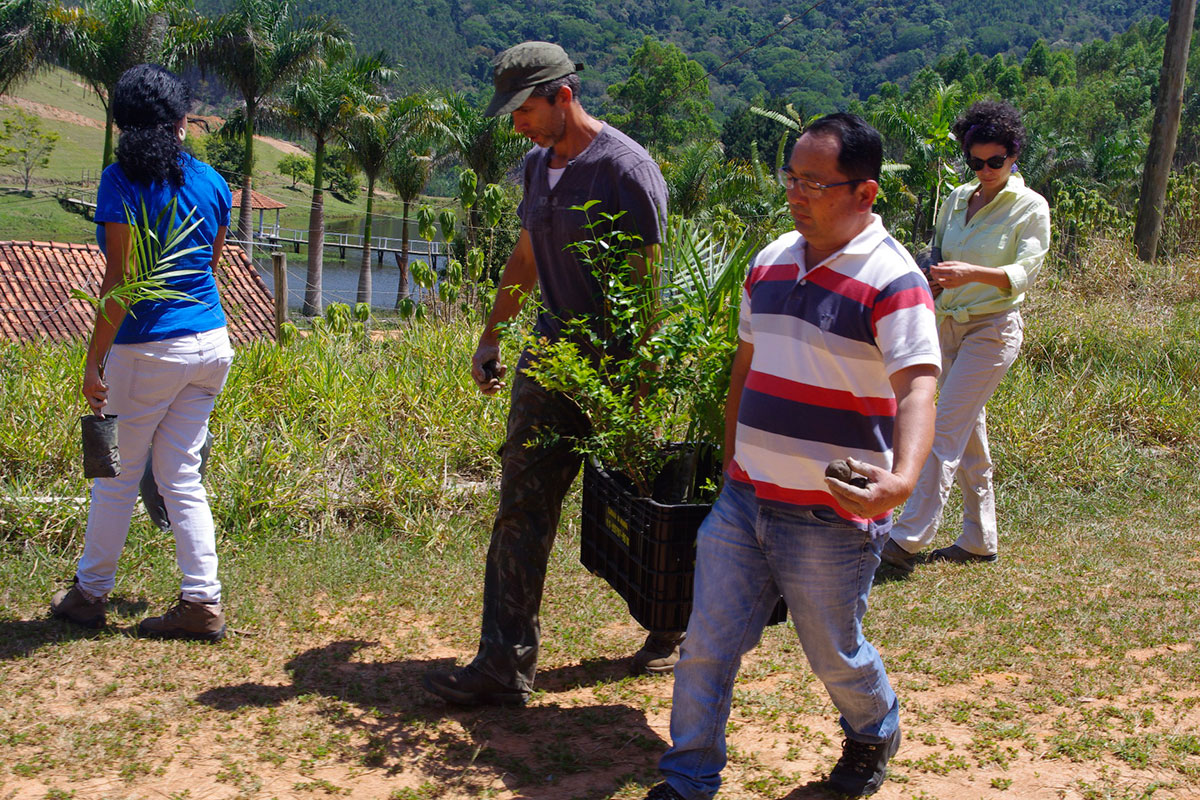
(748, 554)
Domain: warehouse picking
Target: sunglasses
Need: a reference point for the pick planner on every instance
(976, 164)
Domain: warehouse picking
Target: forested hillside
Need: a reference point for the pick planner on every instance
(823, 54)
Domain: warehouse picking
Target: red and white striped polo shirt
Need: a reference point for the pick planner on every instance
(825, 343)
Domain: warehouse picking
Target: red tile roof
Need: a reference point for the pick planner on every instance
(36, 279)
(257, 200)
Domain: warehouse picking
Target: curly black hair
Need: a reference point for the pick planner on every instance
(147, 104)
(990, 121)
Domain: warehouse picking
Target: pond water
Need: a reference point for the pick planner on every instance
(339, 277)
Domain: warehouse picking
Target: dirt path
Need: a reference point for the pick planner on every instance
(327, 715)
(50, 112)
(197, 124)
(281, 145)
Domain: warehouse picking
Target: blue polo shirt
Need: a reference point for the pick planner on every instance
(119, 199)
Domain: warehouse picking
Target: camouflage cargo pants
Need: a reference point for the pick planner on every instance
(535, 477)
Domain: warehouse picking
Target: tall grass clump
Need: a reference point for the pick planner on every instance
(339, 431)
(41, 478)
(328, 433)
(1100, 408)
(336, 430)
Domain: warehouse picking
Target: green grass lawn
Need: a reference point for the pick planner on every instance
(78, 153)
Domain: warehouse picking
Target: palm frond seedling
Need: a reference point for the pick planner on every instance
(155, 253)
(152, 264)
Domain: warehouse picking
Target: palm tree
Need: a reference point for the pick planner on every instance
(487, 145)
(371, 139)
(257, 48)
(792, 121)
(323, 103)
(30, 30)
(700, 179)
(408, 171)
(98, 41)
(929, 147)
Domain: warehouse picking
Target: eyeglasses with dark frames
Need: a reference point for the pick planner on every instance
(790, 182)
(976, 164)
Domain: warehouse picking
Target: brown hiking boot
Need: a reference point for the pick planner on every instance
(76, 605)
(187, 620)
(658, 654)
(897, 557)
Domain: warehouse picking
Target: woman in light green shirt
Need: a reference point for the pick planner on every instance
(993, 233)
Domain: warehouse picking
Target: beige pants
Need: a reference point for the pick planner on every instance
(975, 356)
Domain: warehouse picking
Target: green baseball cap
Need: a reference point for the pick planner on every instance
(518, 69)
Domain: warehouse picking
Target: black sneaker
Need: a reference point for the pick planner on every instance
(896, 556)
(956, 555)
(467, 686)
(663, 791)
(863, 767)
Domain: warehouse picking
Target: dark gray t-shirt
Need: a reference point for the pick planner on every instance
(621, 175)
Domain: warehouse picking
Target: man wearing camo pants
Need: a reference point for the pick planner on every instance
(577, 159)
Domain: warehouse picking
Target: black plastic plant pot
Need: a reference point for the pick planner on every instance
(101, 456)
(688, 467)
(156, 507)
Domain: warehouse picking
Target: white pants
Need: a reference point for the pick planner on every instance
(975, 357)
(162, 393)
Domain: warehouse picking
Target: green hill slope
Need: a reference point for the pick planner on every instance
(819, 54)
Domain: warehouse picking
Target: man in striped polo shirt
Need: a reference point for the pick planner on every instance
(838, 359)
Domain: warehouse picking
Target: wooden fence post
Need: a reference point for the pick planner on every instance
(279, 267)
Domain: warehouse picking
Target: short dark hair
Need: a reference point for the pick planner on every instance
(550, 89)
(860, 147)
(990, 121)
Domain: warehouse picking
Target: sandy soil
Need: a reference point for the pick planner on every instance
(50, 112)
(333, 716)
(197, 124)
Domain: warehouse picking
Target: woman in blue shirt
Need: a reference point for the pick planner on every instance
(159, 366)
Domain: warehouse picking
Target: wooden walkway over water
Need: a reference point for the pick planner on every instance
(274, 237)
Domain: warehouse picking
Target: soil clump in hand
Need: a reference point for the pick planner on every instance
(840, 470)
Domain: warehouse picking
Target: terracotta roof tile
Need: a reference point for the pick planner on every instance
(36, 280)
(257, 201)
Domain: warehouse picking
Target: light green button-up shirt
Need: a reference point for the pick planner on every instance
(1012, 232)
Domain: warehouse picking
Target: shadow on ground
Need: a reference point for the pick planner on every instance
(889, 574)
(813, 790)
(22, 637)
(545, 750)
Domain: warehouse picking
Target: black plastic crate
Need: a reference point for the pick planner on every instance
(644, 549)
